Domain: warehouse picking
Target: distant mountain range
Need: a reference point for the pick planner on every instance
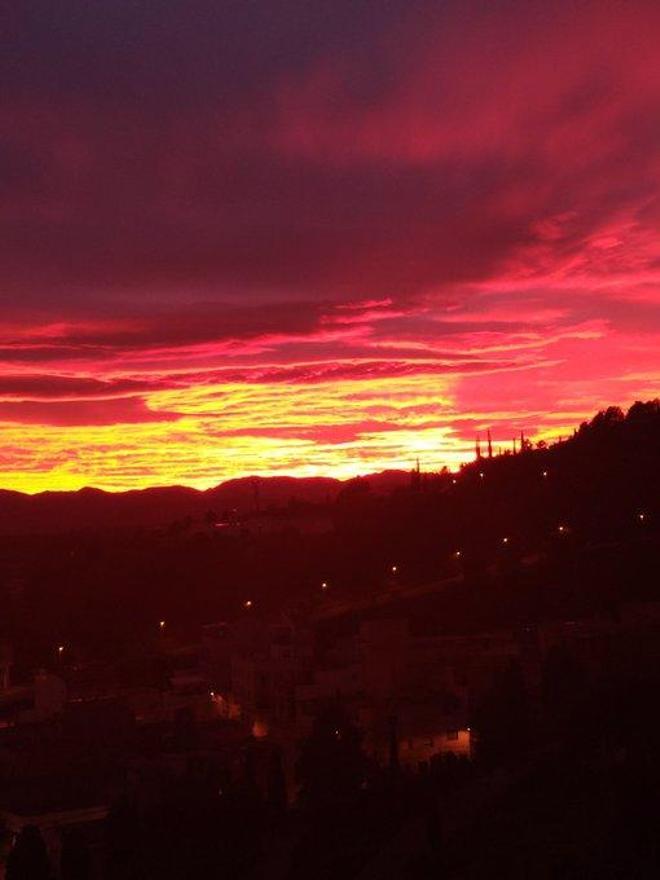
(615, 449)
(56, 512)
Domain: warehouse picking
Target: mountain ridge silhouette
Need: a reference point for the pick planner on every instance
(54, 511)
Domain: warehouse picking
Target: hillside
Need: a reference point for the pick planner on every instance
(580, 520)
(57, 512)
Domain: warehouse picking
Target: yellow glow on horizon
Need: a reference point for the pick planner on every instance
(211, 433)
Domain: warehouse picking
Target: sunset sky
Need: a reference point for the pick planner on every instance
(303, 237)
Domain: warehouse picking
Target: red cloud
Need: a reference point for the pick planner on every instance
(429, 220)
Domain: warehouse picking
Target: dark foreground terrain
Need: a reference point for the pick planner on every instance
(455, 676)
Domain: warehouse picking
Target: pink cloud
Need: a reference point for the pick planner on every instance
(432, 220)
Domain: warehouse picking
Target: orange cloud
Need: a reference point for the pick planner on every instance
(329, 255)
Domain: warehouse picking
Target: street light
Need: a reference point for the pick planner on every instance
(324, 585)
(505, 540)
(161, 625)
(457, 554)
(247, 603)
(394, 569)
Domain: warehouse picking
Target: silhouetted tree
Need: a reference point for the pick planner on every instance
(644, 411)
(607, 418)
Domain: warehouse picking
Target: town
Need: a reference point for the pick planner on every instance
(503, 625)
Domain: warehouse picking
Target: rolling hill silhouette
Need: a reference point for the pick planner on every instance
(53, 512)
(611, 461)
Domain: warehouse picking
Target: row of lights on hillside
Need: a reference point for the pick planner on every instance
(544, 475)
(325, 586)
(562, 529)
(249, 603)
(482, 476)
